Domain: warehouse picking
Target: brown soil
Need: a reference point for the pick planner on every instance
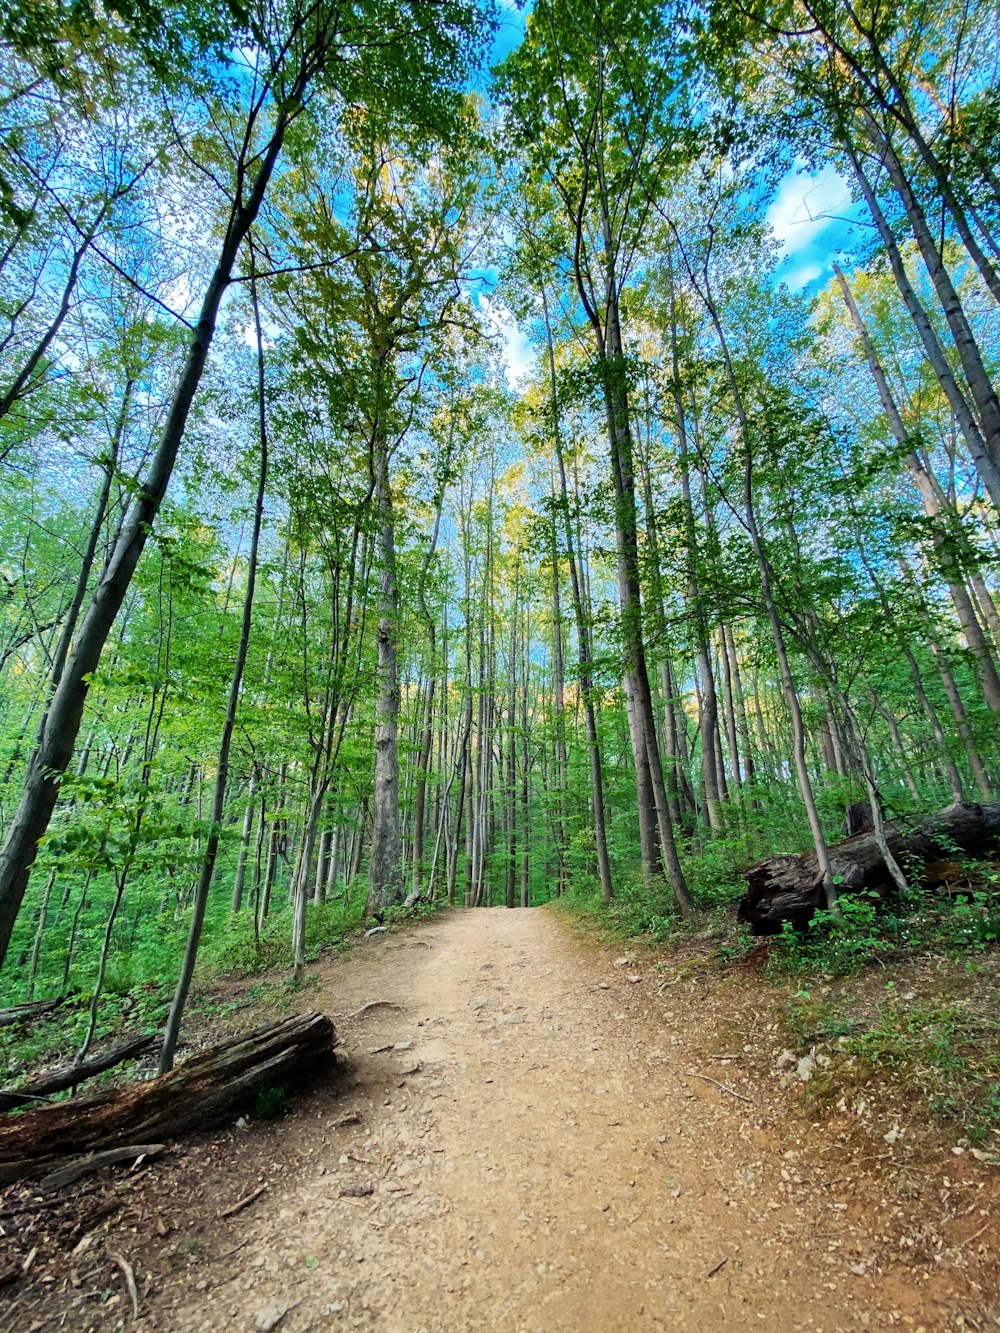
(534, 1139)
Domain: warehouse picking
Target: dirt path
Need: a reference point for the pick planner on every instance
(522, 1145)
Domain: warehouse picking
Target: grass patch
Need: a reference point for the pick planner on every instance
(271, 1102)
(937, 1056)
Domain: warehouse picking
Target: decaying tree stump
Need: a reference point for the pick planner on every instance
(787, 888)
(204, 1091)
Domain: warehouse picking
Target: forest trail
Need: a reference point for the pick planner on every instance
(522, 1145)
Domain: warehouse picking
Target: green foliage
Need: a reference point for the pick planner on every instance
(836, 943)
(813, 1018)
(633, 913)
(616, 198)
(868, 930)
(271, 1102)
(974, 920)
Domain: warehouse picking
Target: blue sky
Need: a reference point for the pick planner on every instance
(512, 20)
(814, 220)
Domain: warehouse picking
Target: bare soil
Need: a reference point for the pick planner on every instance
(526, 1132)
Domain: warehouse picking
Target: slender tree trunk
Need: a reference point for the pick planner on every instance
(559, 709)
(87, 563)
(743, 726)
(333, 864)
(21, 382)
(43, 917)
(987, 606)
(244, 852)
(777, 630)
(732, 738)
(55, 747)
(928, 491)
(463, 772)
(582, 633)
(949, 767)
(173, 1026)
(888, 717)
(322, 865)
(511, 895)
(707, 701)
(979, 774)
(526, 774)
(915, 214)
(645, 742)
(981, 448)
(385, 869)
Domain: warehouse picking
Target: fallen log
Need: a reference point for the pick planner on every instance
(70, 1076)
(205, 1091)
(24, 1013)
(83, 1166)
(788, 888)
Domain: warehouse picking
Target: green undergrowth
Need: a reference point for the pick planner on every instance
(900, 996)
(238, 970)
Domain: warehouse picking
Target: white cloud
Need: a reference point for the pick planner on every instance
(517, 353)
(804, 206)
(802, 276)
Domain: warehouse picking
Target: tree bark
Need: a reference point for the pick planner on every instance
(584, 650)
(770, 606)
(172, 1030)
(983, 394)
(385, 870)
(205, 1091)
(980, 449)
(930, 497)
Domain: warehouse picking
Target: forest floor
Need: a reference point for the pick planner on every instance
(532, 1131)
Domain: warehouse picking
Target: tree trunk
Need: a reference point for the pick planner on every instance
(930, 498)
(207, 1090)
(559, 709)
(777, 631)
(322, 865)
(526, 774)
(646, 749)
(385, 871)
(244, 852)
(172, 1030)
(582, 632)
(55, 747)
(981, 448)
(979, 774)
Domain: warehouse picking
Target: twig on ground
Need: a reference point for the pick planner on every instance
(367, 1008)
(240, 1204)
(133, 1290)
(724, 1086)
